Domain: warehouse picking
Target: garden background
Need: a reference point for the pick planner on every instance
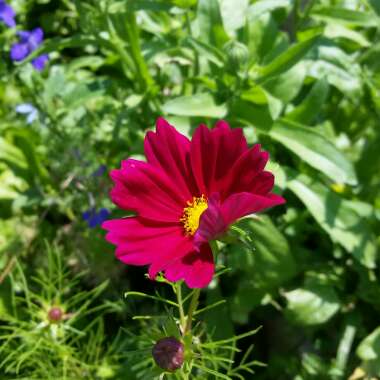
(301, 77)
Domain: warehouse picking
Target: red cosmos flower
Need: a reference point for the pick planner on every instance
(186, 194)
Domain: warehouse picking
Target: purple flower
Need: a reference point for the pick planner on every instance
(7, 14)
(29, 41)
(95, 218)
(29, 111)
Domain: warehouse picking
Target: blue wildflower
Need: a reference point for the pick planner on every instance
(28, 110)
(99, 171)
(7, 14)
(29, 42)
(95, 218)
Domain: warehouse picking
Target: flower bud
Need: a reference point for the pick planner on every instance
(55, 314)
(237, 54)
(168, 353)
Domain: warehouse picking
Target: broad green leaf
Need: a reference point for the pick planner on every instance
(11, 155)
(333, 30)
(273, 262)
(347, 82)
(210, 23)
(81, 93)
(268, 264)
(310, 107)
(234, 13)
(146, 5)
(207, 51)
(286, 86)
(262, 6)
(275, 105)
(345, 15)
(9, 185)
(315, 149)
(63, 43)
(259, 96)
(337, 218)
(311, 305)
(257, 115)
(260, 37)
(195, 105)
(369, 348)
(288, 59)
(375, 5)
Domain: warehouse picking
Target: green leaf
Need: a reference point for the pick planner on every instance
(5, 298)
(210, 23)
(311, 305)
(334, 30)
(286, 86)
(234, 13)
(310, 107)
(211, 53)
(263, 6)
(369, 348)
(288, 59)
(315, 149)
(375, 5)
(260, 36)
(11, 155)
(268, 264)
(195, 105)
(257, 115)
(81, 93)
(273, 262)
(347, 16)
(148, 5)
(348, 82)
(337, 217)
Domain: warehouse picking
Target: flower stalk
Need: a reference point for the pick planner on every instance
(192, 308)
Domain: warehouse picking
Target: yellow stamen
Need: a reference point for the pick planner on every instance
(192, 214)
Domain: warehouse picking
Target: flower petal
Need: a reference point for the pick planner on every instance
(36, 37)
(142, 242)
(19, 51)
(170, 151)
(241, 204)
(39, 63)
(25, 108)
(146, 189)
(196, 268)
(219, 216)
(212, 223)
(245, 172)
(213, 153)
(7, 15)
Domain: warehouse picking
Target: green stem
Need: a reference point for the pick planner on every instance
(192, 308)
(118, 45)
(178, 291)
(146, 79)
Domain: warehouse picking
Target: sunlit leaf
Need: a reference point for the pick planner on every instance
(195, 105)
(337, 218)
(312, 305)
(315, 149)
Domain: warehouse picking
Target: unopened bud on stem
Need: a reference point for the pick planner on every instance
(55, 314)
(168, 353)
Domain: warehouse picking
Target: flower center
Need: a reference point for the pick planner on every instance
(192, 214)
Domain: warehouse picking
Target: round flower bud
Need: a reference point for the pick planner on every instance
(237, 54)
(168, 353)
(55, 314)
